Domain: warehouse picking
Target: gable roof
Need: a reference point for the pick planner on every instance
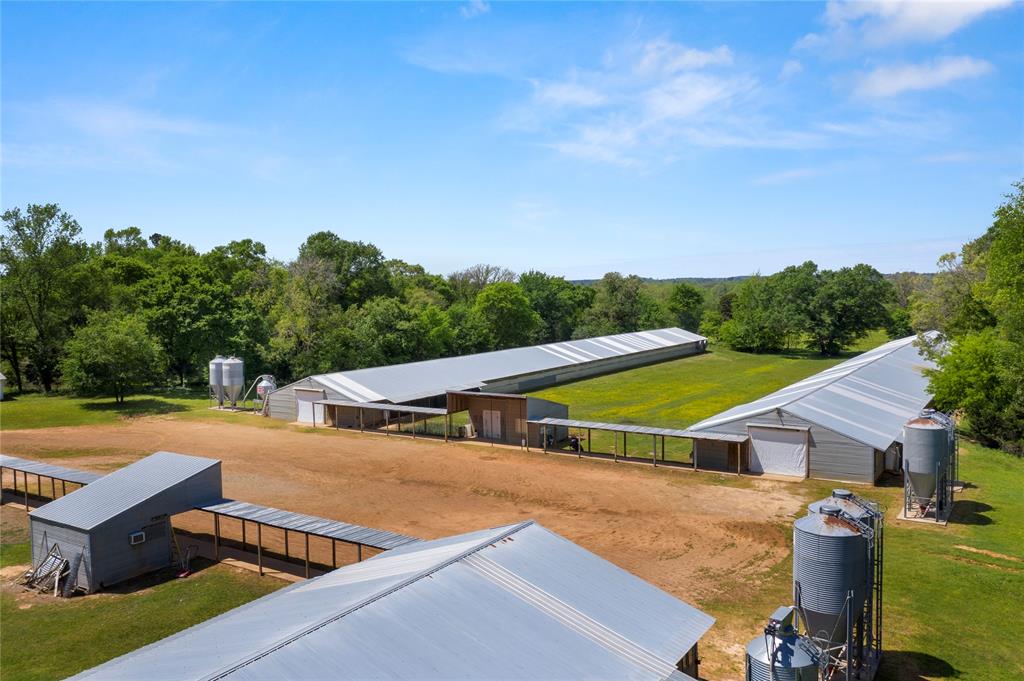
(415, 380)
(867, 398)
(515, 602)
(125, 488)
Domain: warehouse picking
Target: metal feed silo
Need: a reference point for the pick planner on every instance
(781, 653)
(925, 455)
(234, 379)
(217, 379)
(830, 573)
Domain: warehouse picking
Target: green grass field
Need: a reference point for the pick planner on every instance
(55, 638)
(48, 411)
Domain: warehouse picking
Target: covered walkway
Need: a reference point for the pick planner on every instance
(363, 415)
(42, 470)
(657, 435)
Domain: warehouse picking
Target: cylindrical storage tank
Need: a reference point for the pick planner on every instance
(829, 561)
(781, 658)
(843, 498)
(925, 453)
(265, 387)
(217, 378)
(234, 379)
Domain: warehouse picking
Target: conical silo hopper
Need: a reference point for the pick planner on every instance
(925, 455)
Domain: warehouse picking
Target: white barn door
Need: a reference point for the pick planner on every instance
(305, 410)
(778, 451)
(492, 424)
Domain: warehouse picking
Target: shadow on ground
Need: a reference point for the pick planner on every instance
(968, 512)
(150, 406)
(159, 577)
(905, 665)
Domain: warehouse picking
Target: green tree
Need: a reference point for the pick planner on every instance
(42, 256)
(113, 354)
(559, 303)
(359, 268)
(686, 302)
(468, 283)
(621, 304)
(981, 373)
(758, 322)
(846, 304)
(506, 311)
(189, 310)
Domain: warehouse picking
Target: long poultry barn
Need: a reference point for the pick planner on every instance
(515, 603)
(845, 423)
(515, 370)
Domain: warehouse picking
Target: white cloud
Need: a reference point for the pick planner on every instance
(791, 68)
(568, 94)
(474, 8)
(889, 22)
(888, 81)
(668, 57)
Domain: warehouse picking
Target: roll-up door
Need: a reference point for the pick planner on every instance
(305, 410)
(778, 451)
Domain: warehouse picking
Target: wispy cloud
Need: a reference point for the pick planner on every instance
(891, 80)
(852, 25)
(791, 68)
(474, 8)
(787, 176)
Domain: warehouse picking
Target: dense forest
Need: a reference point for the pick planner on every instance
(133, 311)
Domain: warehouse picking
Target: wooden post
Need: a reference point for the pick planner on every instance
(360, 419)
(259, 547)
(543, 437)
(662, 447)
(307, 555)
(334, 552)
(359, 552)
(286, 544)
(694, 455)
(654, 452)
(39, 486)
(588, 441)
(26, 490)
(447, 426)
(243, 534)
(413, 417)
(387, 422)
(216, 536)
(63, 488)
(738, 458)
(53, 488)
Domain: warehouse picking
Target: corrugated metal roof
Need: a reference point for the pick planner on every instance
(405, 409)
(300, 522)
(515, 603)
(123, 489)
(867, 398)
(642, 430)
(49, 470)
(416, 380)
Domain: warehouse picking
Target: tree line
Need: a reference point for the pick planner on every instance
(131, 311)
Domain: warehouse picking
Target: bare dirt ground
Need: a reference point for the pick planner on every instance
(695, 535)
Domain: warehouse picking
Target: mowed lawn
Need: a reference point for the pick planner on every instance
(36, 410)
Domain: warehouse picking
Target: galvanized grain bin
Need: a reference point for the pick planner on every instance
(925, 454)
(829, 562)
(781, 658)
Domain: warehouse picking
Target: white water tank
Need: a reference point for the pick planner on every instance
(234, 379)
(217, 379)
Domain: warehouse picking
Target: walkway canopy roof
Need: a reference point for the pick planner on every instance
(867, 398)
(48, 470)
(514, 603)
(642, 430)
(310, 524)
(416, 380)
(386, 406)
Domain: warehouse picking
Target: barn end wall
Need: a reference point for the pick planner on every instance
(281, 402)
(45, 534)
(832, 456)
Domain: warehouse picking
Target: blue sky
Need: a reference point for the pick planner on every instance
(658, 139)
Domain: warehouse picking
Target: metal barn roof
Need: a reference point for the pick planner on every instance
(48, 470)
(867, 398)
(641, 430)
(415, 380)
(117, 492)
(513, 603)
(300, 522)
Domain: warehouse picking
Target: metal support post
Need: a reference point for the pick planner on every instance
(243, 535)
(307, 554)
(259, 547)
(216, 536)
